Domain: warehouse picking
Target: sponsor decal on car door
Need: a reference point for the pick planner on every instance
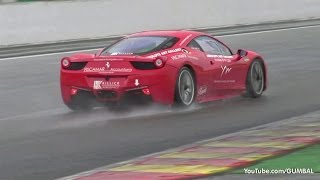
(232, 74)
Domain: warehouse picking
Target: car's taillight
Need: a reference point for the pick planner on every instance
(68, 65)
(77, 65)
(65, 63)
(146, 91)
(73, 91)
(158, 63)
(143, 65)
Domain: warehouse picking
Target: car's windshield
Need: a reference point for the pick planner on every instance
(136, 45)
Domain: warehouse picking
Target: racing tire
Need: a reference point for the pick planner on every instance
(185, 88)
(255, 79)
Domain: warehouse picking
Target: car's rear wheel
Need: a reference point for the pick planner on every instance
(185, 88)
(255, 79)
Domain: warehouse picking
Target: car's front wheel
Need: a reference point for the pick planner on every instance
(255, 79)
(185, 88)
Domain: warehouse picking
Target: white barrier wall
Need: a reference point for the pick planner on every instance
(63, 20)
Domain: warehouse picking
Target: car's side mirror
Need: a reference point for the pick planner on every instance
(242, 53)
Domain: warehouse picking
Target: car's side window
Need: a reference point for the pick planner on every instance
(208, 45)
(194, 45)
(225, 50)
(212, 46)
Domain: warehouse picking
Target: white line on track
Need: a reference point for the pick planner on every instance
(35, 114)
(274, 30)
(236, 34)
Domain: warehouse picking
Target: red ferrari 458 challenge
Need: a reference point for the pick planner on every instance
(167, 67)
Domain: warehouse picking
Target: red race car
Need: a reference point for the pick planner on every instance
(167, 67)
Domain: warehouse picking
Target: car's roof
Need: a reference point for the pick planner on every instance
(174, 33)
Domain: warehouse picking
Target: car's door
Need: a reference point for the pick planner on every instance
(234, 69)
(204, 70)
(209, 66)
(224, 63)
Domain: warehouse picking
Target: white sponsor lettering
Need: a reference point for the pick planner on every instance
(104, 70)
(120, 53)
(165, 52)
(225, 70)
(94, 69)
(174, 50)
(154, 55)
(181, 56)
(202, 90)
(121, 69)
(193, 57)
(220, 58)
(110, 85)
(224, 81)
(105, 85)
(195, 48)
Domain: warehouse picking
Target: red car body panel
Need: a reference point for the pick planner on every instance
(216, 76)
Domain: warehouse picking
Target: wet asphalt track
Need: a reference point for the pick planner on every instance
(42, 139)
